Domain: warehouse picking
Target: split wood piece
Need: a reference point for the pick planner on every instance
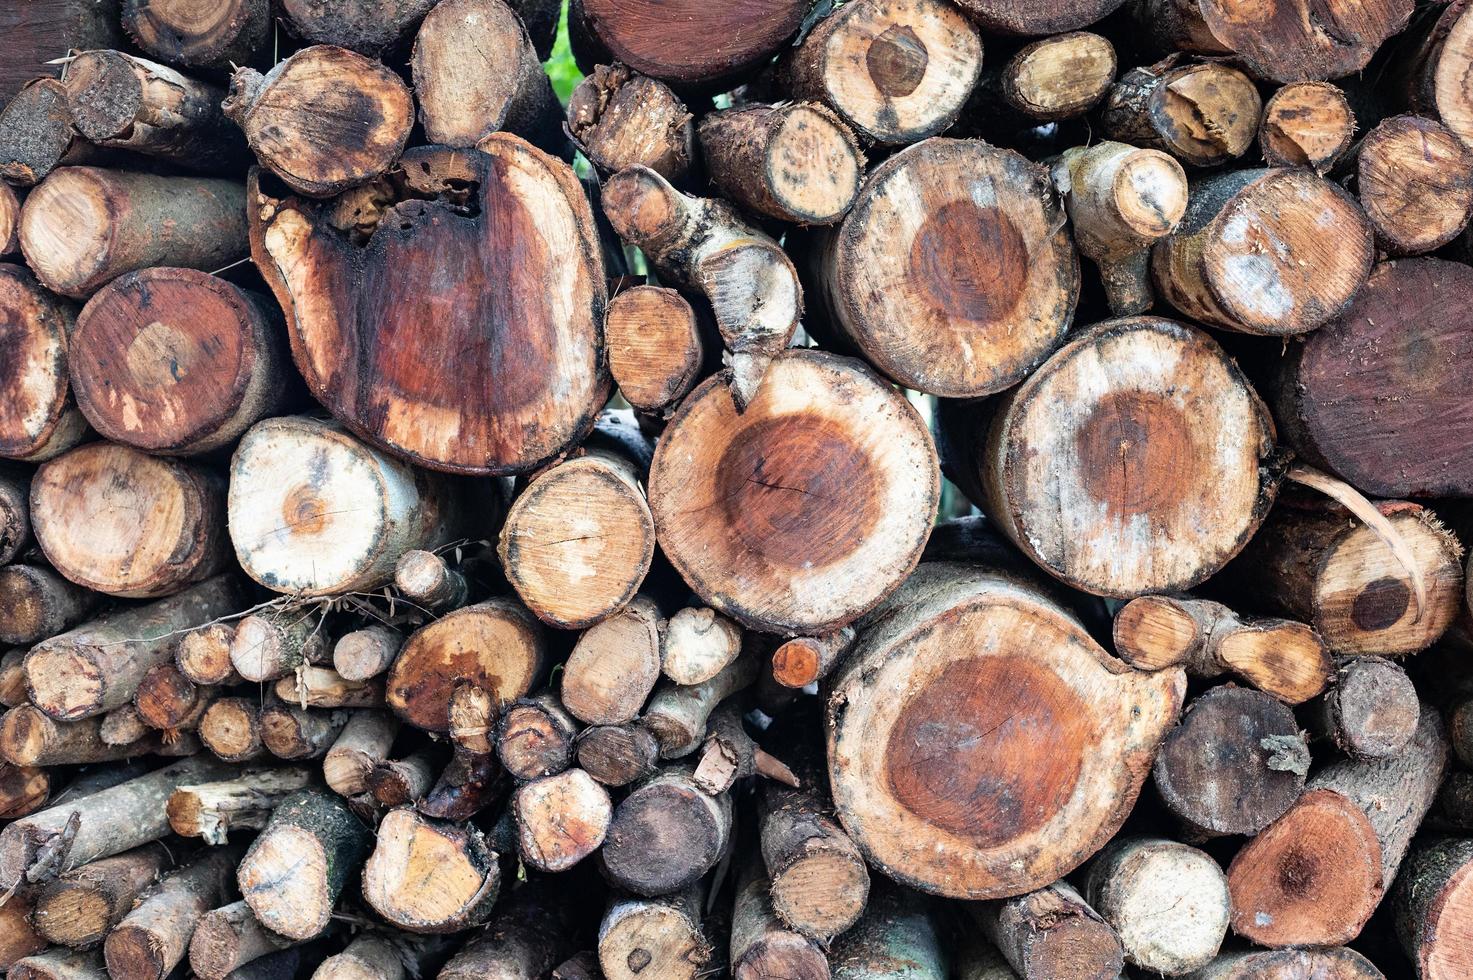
(1317, 564)
(313, 511)
(820, 883)
(355, 283)
(729, 754)
(1052, 932)
(899, 938)
(794, 161)
(370, 956)
(98, 666)
(1440, 55)
(677, 714)
(323, 120)
(620, 118)
(1371, 709)
(1306, 124)
(1414, 177)
(121, 726)
(38, 418)
(578, 541)
(662, 935)
(10, 198)
(1057, 77)
(1091, 466)
(755, 508)
(60, 963)
(291, 733)
(665, 835)
(272, 644)
(941, 293)
(1330, 395)
(23, 790)
(561, 819)
(698, 644)
(362, 745)
(1166, 901)
(124, 523)
(15, 498)
(496, 644)
(18, 938)
(36, 134)
(429, 876)
(1121, 200)
(529, 934)
(153, 938)
(128, 103)
(37, 604)
(244, 802)
(1316, 874)
(617, 755)
(89, 827)
(658, 347)
(535, 737)
(1072, 761)
(805, 660)
(1204, 114)
(426, 579)
(203, 655)
(705, 245)
(83, 905)
(228, 938)
(921, 60)
(1431, 908)
(295, 870)
(762, 947)
(365, 654)
(399, 782)
(231, 729)
(1234, 764)
(1280, 657)
(476, 72)
(614, 665)
(30, 738)
(319, 687)
(184, 32)
(13, 679)
(82, 227)
(169, 701)
(177, 362)
(1213, 270)
(1289, 964)
(644, 35)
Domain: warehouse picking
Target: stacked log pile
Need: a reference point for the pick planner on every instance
(880, 490)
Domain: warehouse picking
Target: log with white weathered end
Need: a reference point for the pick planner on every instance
(361, 745)
(321, 687)
(698, 644)
(366, 653)
(427, 579)
(665, 935)
(272, 644)
(372, 955)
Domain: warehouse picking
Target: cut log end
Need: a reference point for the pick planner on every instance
(1415, 180)
(1167, 902)
(427, 876)
(1059, 77)
(656, 348)
(1306, 124)
(752, 31)
(561, 819)
(38, 420)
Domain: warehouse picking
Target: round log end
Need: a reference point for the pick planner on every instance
(641, 34)
(655, 346)
(1155, 632)
(34, 326)
(561, 819)
(825, 891)
(1060, 77)
(134, 953)
(297, 905)
(664, 836)
(1306, 124)
(427, 876)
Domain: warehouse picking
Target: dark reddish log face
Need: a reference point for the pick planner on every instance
(998, 708)
(693, 40)
(1036, 17)
(465, 334)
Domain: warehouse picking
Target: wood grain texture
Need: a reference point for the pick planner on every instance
(38, 418)
(671, 41)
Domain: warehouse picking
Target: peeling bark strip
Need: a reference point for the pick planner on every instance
(127, 524)
(216, 35)
(1313, 562)
(916, 775)
(674, 41)
(476, 73)
(38, 419)
(1414, 314)
(324, 120)
(1097, 466)
(1203, 114)
(82, 227)
(355, 278)
(178, 362)
(1306, 124)
(953, 273)
(757, 510)
(620, 118)
(705, 245)
(1214, 270)
(895, 72)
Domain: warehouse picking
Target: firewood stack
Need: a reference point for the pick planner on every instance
(886, 490)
